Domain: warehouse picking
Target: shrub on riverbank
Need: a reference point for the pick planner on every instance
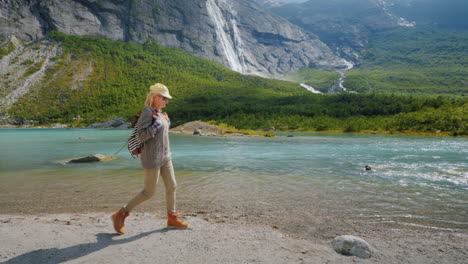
(447, 120)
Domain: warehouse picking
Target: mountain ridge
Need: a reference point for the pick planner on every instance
(344, 25)
(222, 31)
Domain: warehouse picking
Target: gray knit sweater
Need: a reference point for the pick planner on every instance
(156, 150)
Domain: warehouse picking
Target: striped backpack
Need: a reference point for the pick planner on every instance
(134, 143)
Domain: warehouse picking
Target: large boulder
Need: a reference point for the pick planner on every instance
(353, 246)
(199, 128)
(92, 158)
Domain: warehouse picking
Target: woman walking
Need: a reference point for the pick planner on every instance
(153, 131)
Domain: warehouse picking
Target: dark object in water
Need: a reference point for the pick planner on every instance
(85, 159)
(93, 158)
(368, 168)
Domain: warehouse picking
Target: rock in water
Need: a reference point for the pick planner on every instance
(199, 128)
(352, 245)
(85, 159)
(92, 158)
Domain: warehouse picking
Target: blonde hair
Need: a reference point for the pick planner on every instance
(149, 99)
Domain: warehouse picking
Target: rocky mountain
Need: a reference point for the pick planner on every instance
(448, 14)
(238, 33)
(25, 66)
(344, 25)
(272, 3)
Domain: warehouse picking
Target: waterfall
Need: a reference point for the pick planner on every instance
(400, 20)
(238, 44)
(349, 66)
(231, 42)
(310, 88)
(338, 86)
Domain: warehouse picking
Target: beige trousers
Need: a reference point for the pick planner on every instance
(151, 180)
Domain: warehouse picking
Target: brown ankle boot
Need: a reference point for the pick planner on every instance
(174, 221)
(118, 218)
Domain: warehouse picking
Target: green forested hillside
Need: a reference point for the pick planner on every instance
(203, 90)
(413, 60)
(122, 73)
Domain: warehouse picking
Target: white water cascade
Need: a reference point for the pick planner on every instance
(400, 20)
(338, 86)
(229, 38)
(310, 88)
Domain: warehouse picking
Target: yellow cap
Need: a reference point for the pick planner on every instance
(161, 89)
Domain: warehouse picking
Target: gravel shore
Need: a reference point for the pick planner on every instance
(89, 238)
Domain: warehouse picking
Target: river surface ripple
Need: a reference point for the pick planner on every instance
(414, 180)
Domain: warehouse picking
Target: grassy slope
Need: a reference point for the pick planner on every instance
(413, 60)
(122, 72)
(204, 90)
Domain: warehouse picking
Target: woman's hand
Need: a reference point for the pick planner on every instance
(165, 115)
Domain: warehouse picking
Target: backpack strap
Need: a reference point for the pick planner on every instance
(134, 119)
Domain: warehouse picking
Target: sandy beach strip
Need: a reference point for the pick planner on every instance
(89, 238)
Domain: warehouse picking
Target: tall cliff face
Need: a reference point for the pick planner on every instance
(237, 34)
(344, 25)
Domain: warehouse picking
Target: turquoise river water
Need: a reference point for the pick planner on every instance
(414, 180)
